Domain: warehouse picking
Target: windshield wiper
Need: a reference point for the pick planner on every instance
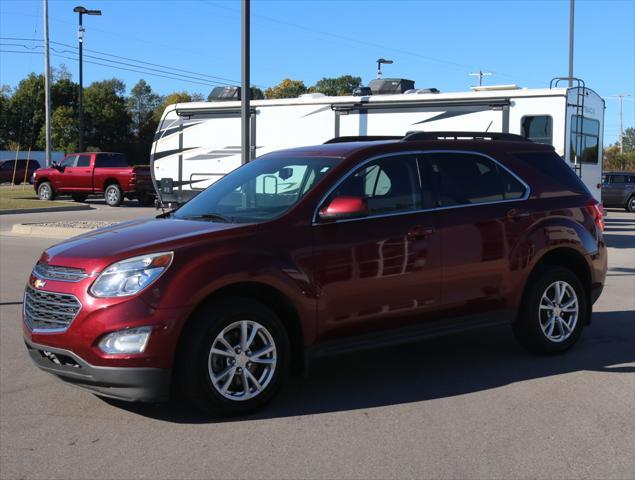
(212, 217)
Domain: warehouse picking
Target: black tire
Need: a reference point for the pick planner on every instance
(146, 200)
(193, 375)
(113, 195)
(77, 197)
(45, 191)
(630, 204)
(528, 327)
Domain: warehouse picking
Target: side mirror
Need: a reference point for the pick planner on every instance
(344, 207)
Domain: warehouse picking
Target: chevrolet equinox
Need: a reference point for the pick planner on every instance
(357, 243)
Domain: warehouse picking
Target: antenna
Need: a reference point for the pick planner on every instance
(480, 74)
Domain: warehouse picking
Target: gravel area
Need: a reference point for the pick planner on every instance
(73, 224)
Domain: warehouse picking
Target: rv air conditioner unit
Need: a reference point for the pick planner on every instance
(388, 86)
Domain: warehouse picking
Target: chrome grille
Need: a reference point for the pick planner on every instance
(64, 274)
(49, 311)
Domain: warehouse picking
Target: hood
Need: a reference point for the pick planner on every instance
(96, 250)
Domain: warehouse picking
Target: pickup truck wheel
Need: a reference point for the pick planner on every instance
(234, 358)
(114, 195)
(630, 205)
(78, 197)
(45, 191)
(553, 312)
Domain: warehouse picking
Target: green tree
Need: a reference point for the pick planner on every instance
(339, 86)
(176, 97)
(614, 160)
(629, 140)
(142, 103)
(288, 88)
(24, 114)
(5, 96)
(64, 129)
(107, 120)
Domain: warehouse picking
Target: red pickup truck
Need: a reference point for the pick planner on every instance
(83, 174)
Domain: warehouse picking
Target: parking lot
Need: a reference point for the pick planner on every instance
(470, 406)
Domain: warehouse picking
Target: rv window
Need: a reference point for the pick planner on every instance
(538, 128)
(466, 179)
(585, 137)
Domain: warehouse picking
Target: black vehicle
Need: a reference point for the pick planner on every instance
(9, 172)
(618, 190)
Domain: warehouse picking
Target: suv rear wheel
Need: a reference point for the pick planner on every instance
(630, 205)
(234, 358)
(553, 312)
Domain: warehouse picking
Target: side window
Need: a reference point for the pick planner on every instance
(84, 161)
(389, 185)
(585, 139)
(69, 161)
(619, 179)
(8, 165)
(468, 179)
(107, 160)
(537, 128)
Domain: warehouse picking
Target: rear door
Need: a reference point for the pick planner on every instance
(382, 270)
(481, 218)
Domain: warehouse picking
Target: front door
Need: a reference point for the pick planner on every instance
(382, 270)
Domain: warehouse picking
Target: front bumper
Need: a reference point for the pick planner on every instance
(123, 383)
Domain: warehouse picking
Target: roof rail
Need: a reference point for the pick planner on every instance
(507, 137)
(362, 138)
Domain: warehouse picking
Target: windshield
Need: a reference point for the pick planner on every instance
(259, 191)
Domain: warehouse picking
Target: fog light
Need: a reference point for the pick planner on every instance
(131, 340)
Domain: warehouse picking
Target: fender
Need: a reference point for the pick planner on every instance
(544, 236)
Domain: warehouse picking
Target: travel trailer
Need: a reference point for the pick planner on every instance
(198, 143)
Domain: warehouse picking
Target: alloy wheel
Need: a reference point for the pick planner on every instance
(45, 192)
(559, 310)
(242, 360)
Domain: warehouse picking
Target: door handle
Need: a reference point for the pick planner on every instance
(420, 232)
(516, 214)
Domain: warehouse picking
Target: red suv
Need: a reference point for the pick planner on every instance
(315, 251)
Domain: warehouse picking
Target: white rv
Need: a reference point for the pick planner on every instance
(197, 143)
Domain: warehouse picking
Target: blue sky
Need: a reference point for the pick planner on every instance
(435, 43)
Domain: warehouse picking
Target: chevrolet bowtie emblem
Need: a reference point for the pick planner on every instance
(39, 283)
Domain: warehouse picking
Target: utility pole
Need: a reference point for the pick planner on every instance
(245, 90)
(480, 74)
(47, 86)
(621, 97)
(571, 17)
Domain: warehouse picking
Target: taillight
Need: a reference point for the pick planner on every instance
(597, 212)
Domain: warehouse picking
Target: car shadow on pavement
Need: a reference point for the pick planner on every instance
(428, 370)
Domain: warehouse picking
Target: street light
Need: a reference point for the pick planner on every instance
(80, 35)
(380, 62)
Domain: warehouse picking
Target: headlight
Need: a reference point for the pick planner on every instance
(131, 340)
(130, 276)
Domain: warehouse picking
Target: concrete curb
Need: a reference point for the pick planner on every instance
(69, 208)
(25, 229)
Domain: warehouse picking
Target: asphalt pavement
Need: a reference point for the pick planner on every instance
(471, 406)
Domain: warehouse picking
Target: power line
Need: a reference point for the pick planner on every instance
(206, 83)
(223, 79)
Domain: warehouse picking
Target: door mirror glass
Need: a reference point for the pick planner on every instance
(344, 207)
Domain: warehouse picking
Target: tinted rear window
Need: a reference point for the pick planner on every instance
(554, 168)
(111, 160)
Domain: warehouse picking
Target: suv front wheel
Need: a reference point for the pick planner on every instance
(553, 311)
(234, 357)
